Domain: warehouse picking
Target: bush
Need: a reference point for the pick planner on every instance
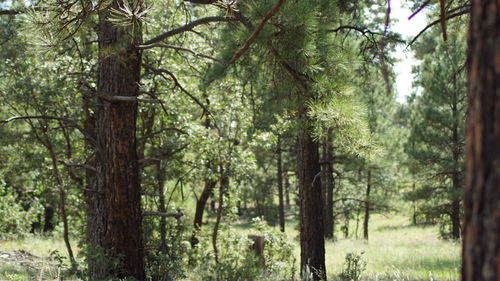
(237, 262)
(14, 219)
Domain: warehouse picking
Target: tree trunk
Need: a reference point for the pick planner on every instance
(328, 184)
(312, 243)
(287, 189)
(117, 227)
(367, 205)
(481, 243)
(281, 206)
(200, 207)
(224, 184)
(160, 181)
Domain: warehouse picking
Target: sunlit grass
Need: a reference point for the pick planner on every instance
(395, 251)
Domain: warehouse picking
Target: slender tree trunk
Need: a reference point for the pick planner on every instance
(367, 204)
(281, 206)
(328, 184)
(62, 203)
(200, 207)
(414, 202)
(117, 226)
(224, 184)
(208, 189)
(312, 243)
(481, 243)
(287, 189)
(455, 204)
(160, 181)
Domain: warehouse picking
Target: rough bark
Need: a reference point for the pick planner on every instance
(312, 244)
(116, 229)
(481, 243)
(279, 168)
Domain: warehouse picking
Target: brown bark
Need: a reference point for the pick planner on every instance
(279, 167)
(481, 243)
(312, 244)
(116, 227)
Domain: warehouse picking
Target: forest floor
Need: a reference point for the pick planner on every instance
(395, 251)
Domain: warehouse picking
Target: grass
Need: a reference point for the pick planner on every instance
(28, 258)
(395, 251)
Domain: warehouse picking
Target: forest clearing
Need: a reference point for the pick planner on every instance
(250, 140)
(397, 251)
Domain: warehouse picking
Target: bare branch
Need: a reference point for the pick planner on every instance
(205, 2)
(85, 166)
(162, 214)
(127, 98)
(161, 131)
(70, 122)
(177, 84)
(256, 32)
(419, 9)
(448, 17)
(189, 27)
(167, 46)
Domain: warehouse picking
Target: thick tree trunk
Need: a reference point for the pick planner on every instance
(367, 204)
(481, 243)
(328, 184)
(116, 230)
(312, 243)
(281, 207)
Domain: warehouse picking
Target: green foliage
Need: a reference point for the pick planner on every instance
(237, 261)
(353, 268)
(16, 217)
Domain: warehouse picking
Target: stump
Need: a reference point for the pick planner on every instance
(257, 245)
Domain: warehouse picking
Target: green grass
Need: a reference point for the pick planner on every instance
(395, 251)
(37, 267)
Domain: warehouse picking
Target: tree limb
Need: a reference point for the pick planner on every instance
(88, 167)
(256, 32)
(178, 48)
(448, 17)
(189, 27)
(162, 214)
